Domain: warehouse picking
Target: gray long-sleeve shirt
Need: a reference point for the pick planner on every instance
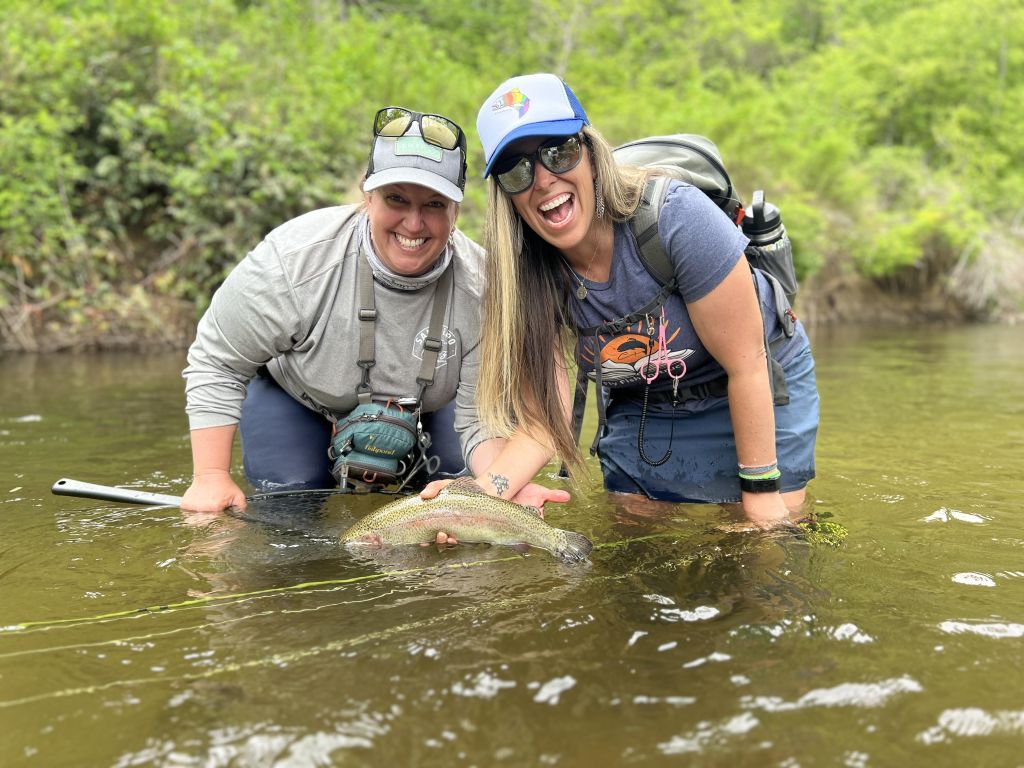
(292, 304)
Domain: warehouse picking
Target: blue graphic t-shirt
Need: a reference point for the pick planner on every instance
(703, 246)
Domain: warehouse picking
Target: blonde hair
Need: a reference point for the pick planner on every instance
(528, 332)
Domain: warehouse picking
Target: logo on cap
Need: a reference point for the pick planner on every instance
(514, 99)
(414, 145)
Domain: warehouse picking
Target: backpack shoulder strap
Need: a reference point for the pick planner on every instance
(645, 229)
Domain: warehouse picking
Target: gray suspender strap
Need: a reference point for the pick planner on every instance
(432, 344)
(367, 317)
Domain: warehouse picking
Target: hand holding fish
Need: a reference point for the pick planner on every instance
(461, 510)
(530, 495)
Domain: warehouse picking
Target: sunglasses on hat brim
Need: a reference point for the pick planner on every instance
(561, 154)
(438, 130)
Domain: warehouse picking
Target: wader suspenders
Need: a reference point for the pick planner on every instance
(432, 344)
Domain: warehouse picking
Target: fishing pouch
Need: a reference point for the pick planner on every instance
(374, 443)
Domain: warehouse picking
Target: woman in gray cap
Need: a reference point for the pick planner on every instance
(344, 347)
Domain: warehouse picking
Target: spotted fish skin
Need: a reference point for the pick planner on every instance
(465, 511)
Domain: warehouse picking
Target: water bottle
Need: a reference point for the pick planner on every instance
(770, 249)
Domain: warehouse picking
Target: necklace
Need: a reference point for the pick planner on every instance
(581, 291)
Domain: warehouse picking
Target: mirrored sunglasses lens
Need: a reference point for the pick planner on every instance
(517, 178)
(439, 131)
(562, 157)
(392, 122)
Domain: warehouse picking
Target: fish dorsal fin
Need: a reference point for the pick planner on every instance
(464, 486)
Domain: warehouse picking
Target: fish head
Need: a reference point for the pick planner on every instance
(575, 547)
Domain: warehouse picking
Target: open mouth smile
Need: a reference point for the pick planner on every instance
(410, 243)
(558, 209)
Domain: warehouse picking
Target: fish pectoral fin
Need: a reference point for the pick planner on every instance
(522, 548)
(369, 539)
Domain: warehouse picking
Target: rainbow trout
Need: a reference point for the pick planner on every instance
(463, 510)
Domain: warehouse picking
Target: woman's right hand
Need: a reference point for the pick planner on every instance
(766, 510)
(213, 492)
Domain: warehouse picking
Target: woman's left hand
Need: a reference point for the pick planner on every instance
(536, 495)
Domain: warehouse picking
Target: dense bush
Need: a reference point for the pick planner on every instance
(152, 144)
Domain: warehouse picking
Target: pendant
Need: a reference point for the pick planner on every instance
(581, 292)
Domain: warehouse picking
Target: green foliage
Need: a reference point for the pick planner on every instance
(152, 144)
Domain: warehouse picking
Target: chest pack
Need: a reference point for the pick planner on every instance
(696, 160)
(382, 443)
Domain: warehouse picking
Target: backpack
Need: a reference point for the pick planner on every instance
(696, 160)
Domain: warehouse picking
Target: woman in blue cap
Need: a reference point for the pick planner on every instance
(690, 414)
(348, 335)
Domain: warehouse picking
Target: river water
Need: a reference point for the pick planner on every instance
(138, 636)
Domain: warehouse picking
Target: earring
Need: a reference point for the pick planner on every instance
(599, 200)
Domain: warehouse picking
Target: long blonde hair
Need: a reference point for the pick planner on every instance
(528, 332)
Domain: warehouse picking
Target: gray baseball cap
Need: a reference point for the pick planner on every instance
(409, 159)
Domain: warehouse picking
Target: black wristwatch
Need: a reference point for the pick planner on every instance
(760, 486)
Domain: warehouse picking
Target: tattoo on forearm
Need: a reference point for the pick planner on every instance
(500, 483)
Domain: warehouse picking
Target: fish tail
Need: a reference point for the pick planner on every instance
(577, 546)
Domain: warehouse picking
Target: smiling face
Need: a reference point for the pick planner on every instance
(410, 226)
(558, 207)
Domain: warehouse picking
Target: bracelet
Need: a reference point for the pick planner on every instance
(761, 485)
(765, 479)
(766, 472)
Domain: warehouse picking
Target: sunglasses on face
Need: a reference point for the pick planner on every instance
(559, 155)
(435, 129)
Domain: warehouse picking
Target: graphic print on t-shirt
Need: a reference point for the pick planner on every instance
(448, 346)
(634, 356)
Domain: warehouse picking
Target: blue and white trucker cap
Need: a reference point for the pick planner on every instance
(409, 159)
(527, 105)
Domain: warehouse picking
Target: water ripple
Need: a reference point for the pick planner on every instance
(990, 629)
(552, 689)
(844, 695)
(710, 735)
(944, 515)
(973, 579)
(483, 686)
(972, 721)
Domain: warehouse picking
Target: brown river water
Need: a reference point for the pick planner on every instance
(139, 636)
